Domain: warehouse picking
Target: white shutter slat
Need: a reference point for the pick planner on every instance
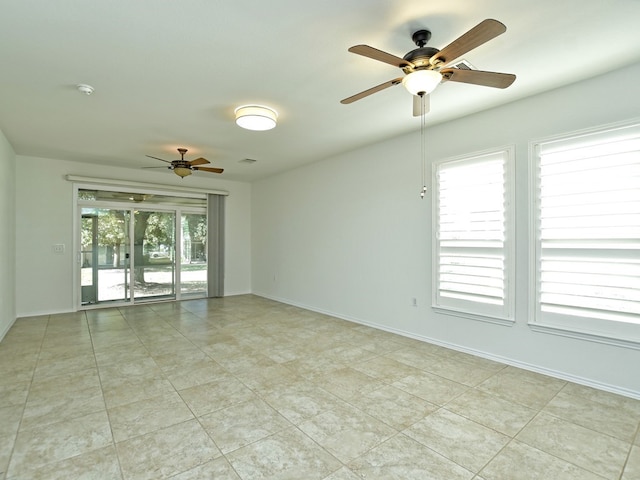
(589, 226)
(471, 231)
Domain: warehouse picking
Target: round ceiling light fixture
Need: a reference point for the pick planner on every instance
(256, 117)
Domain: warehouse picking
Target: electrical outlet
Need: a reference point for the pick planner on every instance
(414, 302)
(58, 248)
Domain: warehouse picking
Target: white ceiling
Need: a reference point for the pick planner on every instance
(169, 74)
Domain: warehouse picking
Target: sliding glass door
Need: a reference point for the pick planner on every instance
(104, 255)
(154, 259)
(136, 247)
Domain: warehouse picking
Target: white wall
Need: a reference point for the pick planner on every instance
(350, 236)
(7, 236)
(44, 210)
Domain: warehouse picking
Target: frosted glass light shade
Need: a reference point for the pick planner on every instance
(256, 117)
(422, 81)
(182, 171)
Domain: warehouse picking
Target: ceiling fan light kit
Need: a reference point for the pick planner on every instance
(422, 82)
(182, 171)
(184, 168)
(425, 67)
(256, 117)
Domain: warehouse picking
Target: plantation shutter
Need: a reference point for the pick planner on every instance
(471, 234)
(589, 227)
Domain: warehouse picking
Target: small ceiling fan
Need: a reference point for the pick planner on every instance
(426, 67)
(183, 167)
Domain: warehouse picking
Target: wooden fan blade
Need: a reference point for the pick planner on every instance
(162, 160)
(199, 161)
(157, 167)
(374, 53)
(478, 77)
(481, 33)
(368, 92)
(209, 169)
(417, 105)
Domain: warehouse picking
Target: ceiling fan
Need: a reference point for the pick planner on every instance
(426, 67)
(183, 167)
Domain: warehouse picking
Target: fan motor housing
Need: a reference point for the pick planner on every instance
(419, 58)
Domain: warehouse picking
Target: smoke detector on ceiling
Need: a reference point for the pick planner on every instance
(84, 88)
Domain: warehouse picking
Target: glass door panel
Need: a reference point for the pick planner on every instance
(193, 261)
(104, 255)
(154, 262)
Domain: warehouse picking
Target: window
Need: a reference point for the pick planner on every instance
(473, 248)
(587, 233)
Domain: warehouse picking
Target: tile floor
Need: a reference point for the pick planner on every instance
(246, 388)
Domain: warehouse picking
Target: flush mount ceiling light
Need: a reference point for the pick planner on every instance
(422, 82)
(256, 117)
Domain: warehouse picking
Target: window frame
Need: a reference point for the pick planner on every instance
(504, 314)
(610, 332)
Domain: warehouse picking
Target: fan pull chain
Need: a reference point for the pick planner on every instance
(423, 146)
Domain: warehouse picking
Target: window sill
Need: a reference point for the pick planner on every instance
(585, 335)
(474, 316)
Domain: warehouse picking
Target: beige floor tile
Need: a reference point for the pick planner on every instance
(134, 389)
(593, 451)
(430, 387)
(149, 415)
(249, 361)
(61, 406)
(10, 417)
(216, 469)
(14, 393)
(166, 452)
(101, 464)
(81, 382)
(115, 373)
(36, 448)
(121, 353)
(348, 383)
(350, 387)
(216, 395)
(491, 411)
(287, 455)
(402, 458)
(268, 378)
(608, 419)
(526, 388)
(626, 404)
(462, 441)
(6, 447)
(394, 407)
(313, 366)
(343, 474)
(331, 428)
(632, 468)
(300, 400)
(460, 372)
(350, 354)
(60, 366)
(385, 369)
(239, 425)
(519, 461)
